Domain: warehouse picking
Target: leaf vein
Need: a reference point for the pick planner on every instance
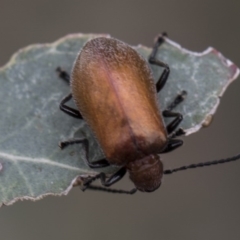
(14, 158)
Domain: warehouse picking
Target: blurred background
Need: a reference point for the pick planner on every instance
(198, 204)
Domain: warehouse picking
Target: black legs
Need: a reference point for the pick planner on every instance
(178, 117)
(63, 75)
(68, 110)
(168, 113)
(172, 145)
(106, 182)
(98, 164)
(152, 59)
(171, 127)
(179, 98)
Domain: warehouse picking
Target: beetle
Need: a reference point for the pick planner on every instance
(114, 91)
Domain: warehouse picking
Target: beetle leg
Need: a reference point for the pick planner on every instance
(102, 176)
(178, 99)
(172, 125)
(177, 133)
(172, 145)
(152, 59)
(63, 75)
(68, 110)
(96, 164)
(71, 141)
(99, 164)
(168, 113)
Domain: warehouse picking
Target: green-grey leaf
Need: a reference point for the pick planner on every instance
(31, 124)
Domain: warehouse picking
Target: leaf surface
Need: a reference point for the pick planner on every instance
(31, 124)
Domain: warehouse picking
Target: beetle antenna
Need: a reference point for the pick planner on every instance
(203, 164)
(92, 187)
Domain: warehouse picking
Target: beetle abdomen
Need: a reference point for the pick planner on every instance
(114, 90)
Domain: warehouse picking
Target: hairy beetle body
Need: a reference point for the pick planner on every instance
(113, 88)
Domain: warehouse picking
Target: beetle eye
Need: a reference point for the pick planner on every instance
(146, 173)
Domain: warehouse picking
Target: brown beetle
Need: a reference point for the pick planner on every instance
(114, 90)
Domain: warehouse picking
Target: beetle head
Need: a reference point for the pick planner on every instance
(146, 173)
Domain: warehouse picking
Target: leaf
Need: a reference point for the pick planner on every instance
(31, 124)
